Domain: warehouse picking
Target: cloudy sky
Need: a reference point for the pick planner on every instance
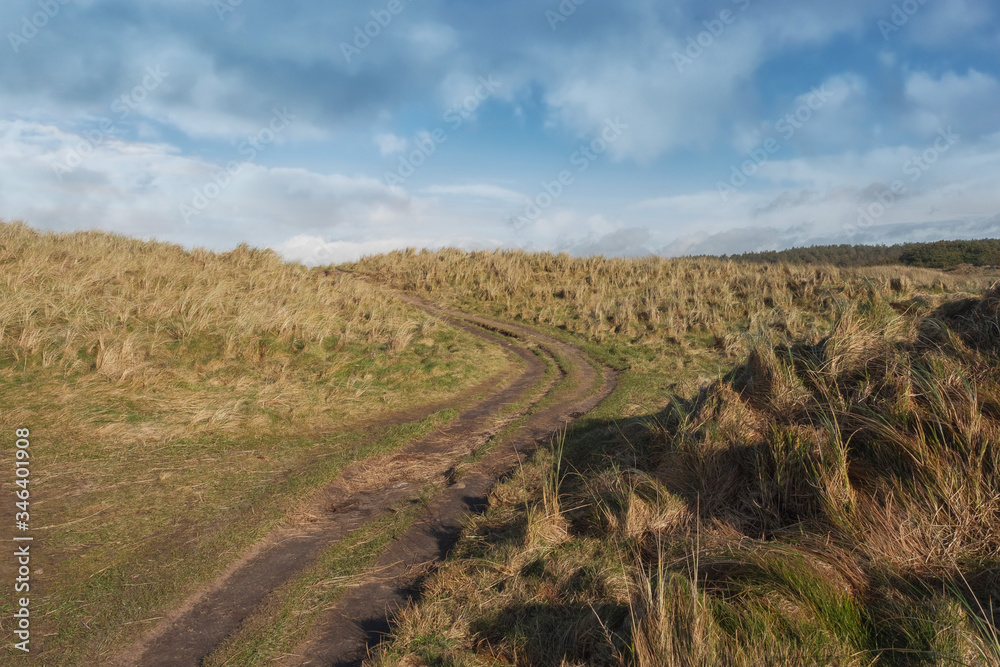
(328, 130)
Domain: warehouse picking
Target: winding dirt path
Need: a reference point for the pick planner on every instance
(369, 488)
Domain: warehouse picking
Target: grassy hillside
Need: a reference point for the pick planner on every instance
(800, 466)
(180, 403)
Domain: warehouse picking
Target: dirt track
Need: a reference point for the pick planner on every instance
(343, 634)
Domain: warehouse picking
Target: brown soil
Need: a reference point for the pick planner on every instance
(369, 488)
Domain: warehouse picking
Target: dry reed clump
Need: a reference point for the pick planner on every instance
(832, 500)
(70, 297)
(181, 401)
(876, 423)
(694, 617)
(171, 325)
(631, 504)
(804, 509)
(975, 321)
(880, 483)
(653, 301)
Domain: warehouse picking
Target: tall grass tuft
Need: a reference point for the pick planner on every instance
(830, 496)
(181, 402)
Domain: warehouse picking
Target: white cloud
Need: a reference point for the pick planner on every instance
(139, 188)
(664, 109)
(478, 191)
(755, 239)
(432, 40)
(608, 61)
(825, 118)
(824, 194)
(316, 251)
(389, 144)
(942, 22)
(968, 102)
(674, 104)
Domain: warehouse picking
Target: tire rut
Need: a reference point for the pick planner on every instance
(369, 488)
(345, 634)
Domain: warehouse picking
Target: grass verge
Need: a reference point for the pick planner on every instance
(181, 402)
(799, 466)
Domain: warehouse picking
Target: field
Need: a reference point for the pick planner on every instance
(183, 403)
(800, 466)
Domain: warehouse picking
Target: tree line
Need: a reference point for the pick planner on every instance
(934, 255)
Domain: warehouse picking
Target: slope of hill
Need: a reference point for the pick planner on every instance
(801, 466)
(181, 403)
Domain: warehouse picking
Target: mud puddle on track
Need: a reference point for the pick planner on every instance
(369, 488)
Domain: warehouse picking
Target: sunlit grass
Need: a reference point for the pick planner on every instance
(800, 466)
(181, 403)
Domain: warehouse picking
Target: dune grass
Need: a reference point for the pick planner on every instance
(800, 466)
(183, 402)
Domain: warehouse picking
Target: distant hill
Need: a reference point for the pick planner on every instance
(936, 255)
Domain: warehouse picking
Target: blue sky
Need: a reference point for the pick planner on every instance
(331, 130)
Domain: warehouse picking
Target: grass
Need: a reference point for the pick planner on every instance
(181, 403)
(800, 466)
(277, 628)
(283, 623)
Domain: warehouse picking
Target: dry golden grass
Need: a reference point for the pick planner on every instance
(640, 300)
(179, 402)
(801, 466)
